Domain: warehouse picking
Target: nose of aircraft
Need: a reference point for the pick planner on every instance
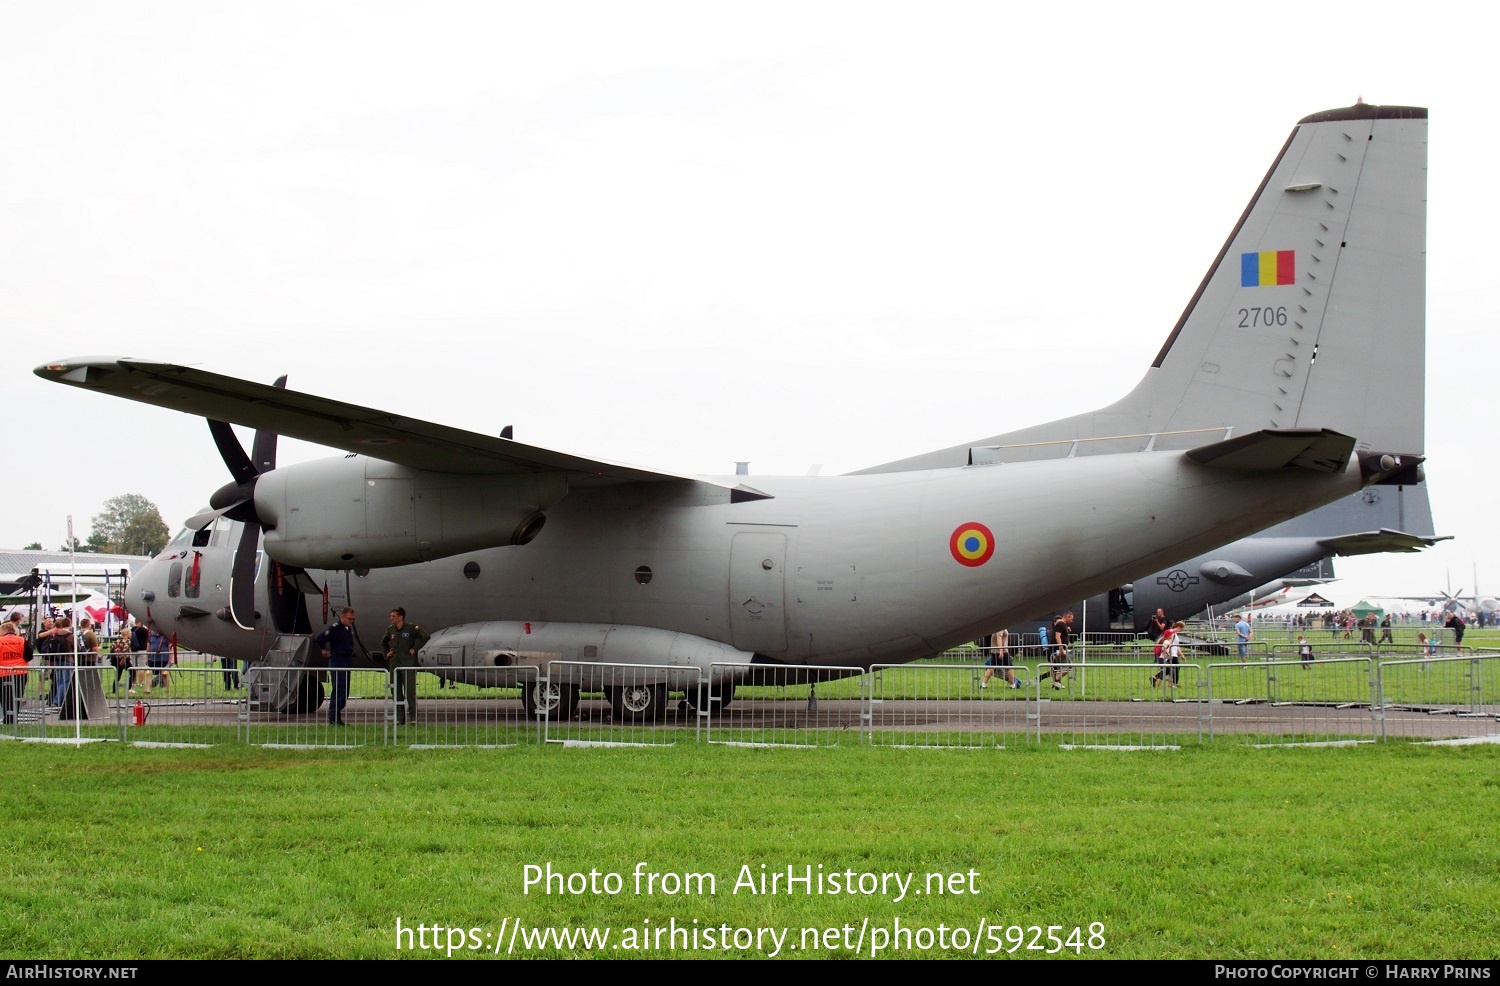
(149, 585)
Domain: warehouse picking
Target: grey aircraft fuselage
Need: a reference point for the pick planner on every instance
(844, 570)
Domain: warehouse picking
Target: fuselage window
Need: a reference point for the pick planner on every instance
(174, 580)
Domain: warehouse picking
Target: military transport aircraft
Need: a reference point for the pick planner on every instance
(1284, 385)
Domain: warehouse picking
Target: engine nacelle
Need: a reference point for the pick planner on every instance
(359, 512)
(489, 651)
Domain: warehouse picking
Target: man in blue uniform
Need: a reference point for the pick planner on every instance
(338, 643)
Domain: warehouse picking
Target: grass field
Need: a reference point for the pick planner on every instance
(1370, 852)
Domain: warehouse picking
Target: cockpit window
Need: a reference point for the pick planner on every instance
(195, 575)
(174, 580)
(183, 537)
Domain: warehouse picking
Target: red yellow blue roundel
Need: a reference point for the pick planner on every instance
(972, 544)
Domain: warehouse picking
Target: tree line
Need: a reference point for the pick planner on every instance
(129, 524)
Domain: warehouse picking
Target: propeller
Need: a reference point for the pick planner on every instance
(236, 500)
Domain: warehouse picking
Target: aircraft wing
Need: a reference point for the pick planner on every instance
(1383, 540)
(361, 430)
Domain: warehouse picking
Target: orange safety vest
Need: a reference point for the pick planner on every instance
(12, 655)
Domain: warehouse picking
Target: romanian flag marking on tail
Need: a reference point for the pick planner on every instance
(1268, 268)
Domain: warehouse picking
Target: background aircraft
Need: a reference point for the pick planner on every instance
(1453, 601)
(1256, 409)
(1295, 553)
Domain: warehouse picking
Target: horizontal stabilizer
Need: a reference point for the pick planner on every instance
(1376, 542)
(1317, 449)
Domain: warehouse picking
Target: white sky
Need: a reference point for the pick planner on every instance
(684, 234)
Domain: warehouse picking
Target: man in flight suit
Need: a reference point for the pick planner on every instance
(402, 640)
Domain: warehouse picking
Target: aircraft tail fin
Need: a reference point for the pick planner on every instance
(1311, 316)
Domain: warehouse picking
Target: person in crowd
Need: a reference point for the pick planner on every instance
(15, 664)
(159, 660)
(1242, 635)
(1062, 636)
(999, 658)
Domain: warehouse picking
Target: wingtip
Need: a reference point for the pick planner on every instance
(58, 369)
(77, 370)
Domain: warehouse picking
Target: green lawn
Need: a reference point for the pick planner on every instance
(115, 852)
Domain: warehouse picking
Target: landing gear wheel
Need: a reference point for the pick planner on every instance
(556, 701)
(638, 703)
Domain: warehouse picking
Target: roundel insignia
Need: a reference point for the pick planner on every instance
(972, 544)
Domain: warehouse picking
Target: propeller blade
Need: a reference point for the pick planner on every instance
(263, 450)
(232, 452)
(237, 502)
(242, 578)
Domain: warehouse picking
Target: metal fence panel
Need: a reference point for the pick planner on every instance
(1330, 700)
(774, 705)
(60, 703)
(947, 705)
(430, 710)
(57, 704)
(598, 704)
(1441, 699)
(294, 707)
(1119, 706)
(180, 706)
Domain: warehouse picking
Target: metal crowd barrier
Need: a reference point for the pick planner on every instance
(294, 707)
(57, 704)
(1328, 700)
(775, 705)
(947, 705)
(1119, 706)
(179, 706)
(432, 709)
(619, 704)
(1279, 699)
(1442, 699)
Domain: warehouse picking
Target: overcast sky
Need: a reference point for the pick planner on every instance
(682, 235)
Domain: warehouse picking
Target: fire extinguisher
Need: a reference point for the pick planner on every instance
(139, 713)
